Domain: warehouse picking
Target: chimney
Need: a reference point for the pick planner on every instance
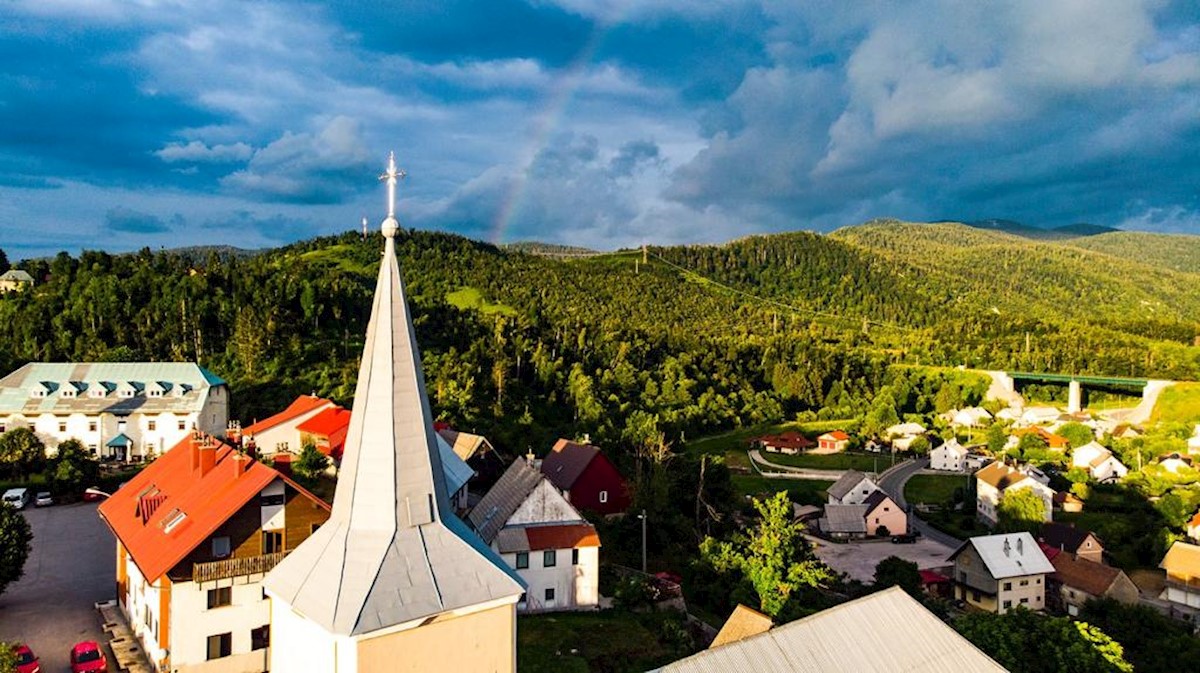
(1007, 548)
(208, 455)
(194, 447)
(233, 432)
(587, 438)
(1020, 547)
(241, 463)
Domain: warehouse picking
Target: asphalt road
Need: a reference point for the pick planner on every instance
(893, 484)
(72, 567)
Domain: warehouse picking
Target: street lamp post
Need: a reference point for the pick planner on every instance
(642, 516)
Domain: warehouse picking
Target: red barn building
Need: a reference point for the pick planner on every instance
(586, 477)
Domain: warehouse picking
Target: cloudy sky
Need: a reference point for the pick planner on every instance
(126, 123)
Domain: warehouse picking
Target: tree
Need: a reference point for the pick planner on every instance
(1076, 433)
(895, 571)
(996, 439)
(311, 463)
(1153, 642)
(15, 539)
(772, 555)
(1060, 644)
(8, 657)
(919, 445)
(1021, 510)
(4, 264)
(21, 453)
(73, 468)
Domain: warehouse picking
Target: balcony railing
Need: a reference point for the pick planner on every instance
(235, 567)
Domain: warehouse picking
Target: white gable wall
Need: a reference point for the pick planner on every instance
(544, 505)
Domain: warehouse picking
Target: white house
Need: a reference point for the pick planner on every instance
(997, 573)
(1099, 462)
(1182, 564)
(119, 410)
(950, 456)
(853, 488)
(997, 479)
(280, 432)
(971, 417)
(542, 537)
(196, 531)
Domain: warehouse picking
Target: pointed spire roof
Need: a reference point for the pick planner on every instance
(393, 551)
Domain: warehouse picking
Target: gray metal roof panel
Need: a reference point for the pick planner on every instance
(499, 503)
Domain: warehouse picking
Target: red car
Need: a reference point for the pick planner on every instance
(26, 661)
(87, 657)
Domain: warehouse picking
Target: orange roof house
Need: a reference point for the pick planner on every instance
(1053, 441)
(203, 518)
(327, 430)
(279, 432)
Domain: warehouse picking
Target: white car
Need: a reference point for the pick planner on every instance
(43, 499)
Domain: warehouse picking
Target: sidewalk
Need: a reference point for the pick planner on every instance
(127, 651)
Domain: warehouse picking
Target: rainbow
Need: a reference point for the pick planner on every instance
(547, 122)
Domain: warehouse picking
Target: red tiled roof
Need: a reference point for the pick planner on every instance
(787, 440)
(569, 536)
(1195, 520)
(302, 405)
(1083, 574)
(170, 486)
(566, 461)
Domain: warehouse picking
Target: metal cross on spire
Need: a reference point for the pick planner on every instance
(392, 176)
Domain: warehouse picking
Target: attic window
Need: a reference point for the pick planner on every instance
(173, 519)
(154, 393)
(68, 392)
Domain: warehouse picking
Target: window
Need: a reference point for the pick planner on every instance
(62, 426)
(183, 425)
(522, 560)
(1008, 586)
(550, 595)
(603, 496)
(1037, 581)
(1024, 601)
(220, 547)
(1024, 583)
(220, 645)
(173, 519)
(219, 598)
(91, 426)
(260, 638)
(975, 596)
(574, 557)
(549, 558)
(271, 500)
(1007, 604)
(3, 428)
(272, 541)
(151, 426)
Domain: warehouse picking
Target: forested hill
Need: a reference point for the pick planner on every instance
(700, 339)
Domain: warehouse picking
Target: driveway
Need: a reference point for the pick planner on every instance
(72, 567)
(892, 482)
(858, 559)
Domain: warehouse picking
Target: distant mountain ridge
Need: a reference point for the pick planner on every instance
(1073, 230)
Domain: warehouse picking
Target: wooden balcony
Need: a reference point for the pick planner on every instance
(235, 567)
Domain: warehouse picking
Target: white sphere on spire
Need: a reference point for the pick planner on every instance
(390, 227)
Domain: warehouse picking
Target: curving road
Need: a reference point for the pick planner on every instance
(892, 482)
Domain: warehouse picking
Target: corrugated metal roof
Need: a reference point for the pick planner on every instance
(844, 519)
(499, 503)
(1009, 554)
(82, 376)
(846, 483)
(456, 472)
(392, 551)
(886, 632)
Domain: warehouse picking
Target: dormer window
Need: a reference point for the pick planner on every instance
(68, 392)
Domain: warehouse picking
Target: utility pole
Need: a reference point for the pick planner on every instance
(645, 252)
(642, 516)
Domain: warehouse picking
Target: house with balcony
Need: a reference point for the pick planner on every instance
(1182, 589)
(196, 532)
(541, 536)
(997, 573)
(125, 411)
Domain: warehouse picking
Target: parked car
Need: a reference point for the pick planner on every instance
(907, 538)
(94, 494)
(27, 662)
(43, 499)
(87, 657)
(17, 497)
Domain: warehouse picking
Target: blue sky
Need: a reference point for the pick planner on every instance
(168, 123)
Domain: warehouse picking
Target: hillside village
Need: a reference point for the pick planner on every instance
(980, 511)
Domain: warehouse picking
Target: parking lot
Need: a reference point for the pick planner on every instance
(858, 559)
(72, 567)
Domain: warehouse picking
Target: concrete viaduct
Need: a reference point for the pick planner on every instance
(1004, 387)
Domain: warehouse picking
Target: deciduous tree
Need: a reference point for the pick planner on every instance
(15, 539)
(1021, 510)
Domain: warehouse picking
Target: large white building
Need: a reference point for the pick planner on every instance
(196, 532)
(119, 410)
(394, 581)
(543, 537)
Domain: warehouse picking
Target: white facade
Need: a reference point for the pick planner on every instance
(988, 498)
(858, 494)
(298, 644)
(949, 457)
(192, 623)
(154, 405)
(143, 610)
(571, 583)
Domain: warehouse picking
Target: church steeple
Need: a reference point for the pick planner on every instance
(393, 551)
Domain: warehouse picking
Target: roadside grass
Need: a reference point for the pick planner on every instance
(1179, 403)
(737, 440)
(472, 298)
(577, 642)
(863, 462)
(932, 489)
(802, 491)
